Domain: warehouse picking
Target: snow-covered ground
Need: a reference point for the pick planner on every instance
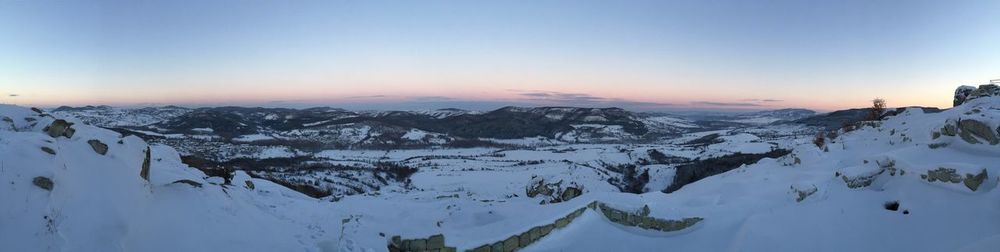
(100, 203)
(831, 198)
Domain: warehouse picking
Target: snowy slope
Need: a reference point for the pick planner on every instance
(100, 203)
(829, 198)
(754, 208)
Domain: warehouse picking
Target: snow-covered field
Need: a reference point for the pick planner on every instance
(877, 188)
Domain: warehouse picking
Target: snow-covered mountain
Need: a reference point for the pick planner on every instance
(772, 116)
(721, 119)
(435, 113)
(337, 128)
(917, 180)
(107, 116)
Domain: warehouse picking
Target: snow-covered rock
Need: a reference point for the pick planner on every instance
(961, 93)
(964, 94)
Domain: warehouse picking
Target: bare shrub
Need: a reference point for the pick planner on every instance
(847, 126)
(819, 140)
(877, 109)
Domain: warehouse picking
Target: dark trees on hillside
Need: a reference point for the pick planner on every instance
(700, 169)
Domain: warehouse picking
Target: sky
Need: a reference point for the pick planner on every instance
(640, 55)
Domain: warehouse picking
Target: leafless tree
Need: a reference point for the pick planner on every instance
(877, 109)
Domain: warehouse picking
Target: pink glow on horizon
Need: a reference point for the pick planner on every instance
(267, 97)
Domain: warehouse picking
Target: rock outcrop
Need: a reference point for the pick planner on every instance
(59, 128)
(43, 182)
(950, 175)
(961, 93)
(552, 192)
(974, 181)
(432, 243)
(144, 173)
(98, 146)
(971, 131)
(802, 192)
(640, 219)
(531, 235)
(864, 175)
(942, 174)
(964, 94)
(969, 128)
(644, 221)
(570, 193)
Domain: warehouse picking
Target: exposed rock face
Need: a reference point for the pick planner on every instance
(968, 128)
(144, 173)
(570, 193)
(967, 93)
(483, 248)
(645, 222)
(539, 187)
(697, 170)
(552, 192)
(971, 131)
(524, 239)
(433, 243)
(973, 182)
(48, 150)
(189, 182)
(866, 178)
(510, 244)
(949, 175)
(43, 182)
(985, 91)
(801, 193)
(961, 93)
(861, 181)
(59, 128)
(249, 184)
(942, 174)
(98, 146)
(497, 246)
(949, 130)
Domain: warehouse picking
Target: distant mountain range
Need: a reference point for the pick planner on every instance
(652, 180)
(349, 128)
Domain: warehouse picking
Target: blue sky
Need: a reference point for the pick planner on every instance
(646, 55)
